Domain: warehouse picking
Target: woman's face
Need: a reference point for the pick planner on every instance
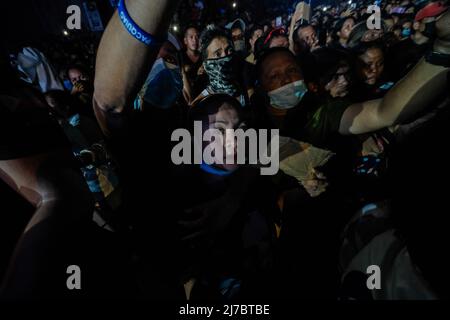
(226, 120)
(219, 48)
(346, 29)
(76, 75)
(372, 65)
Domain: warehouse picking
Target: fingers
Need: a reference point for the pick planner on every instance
(317, 185)
(319, 175)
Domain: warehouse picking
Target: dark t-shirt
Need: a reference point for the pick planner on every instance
(243, 243)
(313, 121)
(322, 123)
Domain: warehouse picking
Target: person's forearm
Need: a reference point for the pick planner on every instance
(291, 34)
(123, 62)
(415, 92)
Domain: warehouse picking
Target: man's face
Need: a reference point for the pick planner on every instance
(256, 35)
(308, 36)
(372, 65)
(346, 29)
(191, 39)
(75, 75)
(219, 48)
(338, 86)
(280, 41)
(279, 70)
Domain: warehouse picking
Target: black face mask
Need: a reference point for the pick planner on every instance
(221, 74)
(430, 30)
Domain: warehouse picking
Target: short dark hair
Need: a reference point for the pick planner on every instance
(327, 62)
(358, 32)
(362, 47)
(190, 27)
(302, 25)
(208, 35)
(210, 105)
(237, 25)
(253, 29)
(80, 67)
(338, 26)
(268, 52)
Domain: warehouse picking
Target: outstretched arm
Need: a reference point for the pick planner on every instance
(123, 62)
(412, 94)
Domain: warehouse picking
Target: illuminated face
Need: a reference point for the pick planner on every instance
(225, 119)
(308, 36)
(346, 29)
(219, 48)
(191, 39)
(76, 75)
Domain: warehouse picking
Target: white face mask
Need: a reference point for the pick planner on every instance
(288, 96)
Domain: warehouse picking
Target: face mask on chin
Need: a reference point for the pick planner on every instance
(164, 85)
(288, 96)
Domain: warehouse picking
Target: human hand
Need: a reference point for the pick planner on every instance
(316, 185)
(77, 88)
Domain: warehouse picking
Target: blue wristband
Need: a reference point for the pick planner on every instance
(133, 29)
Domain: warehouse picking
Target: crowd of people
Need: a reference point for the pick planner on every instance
(361, 113)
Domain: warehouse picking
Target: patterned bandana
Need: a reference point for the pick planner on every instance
(221, 76)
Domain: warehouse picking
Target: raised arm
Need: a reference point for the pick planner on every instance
(413, 93)
(295, 18)
(123, 61)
